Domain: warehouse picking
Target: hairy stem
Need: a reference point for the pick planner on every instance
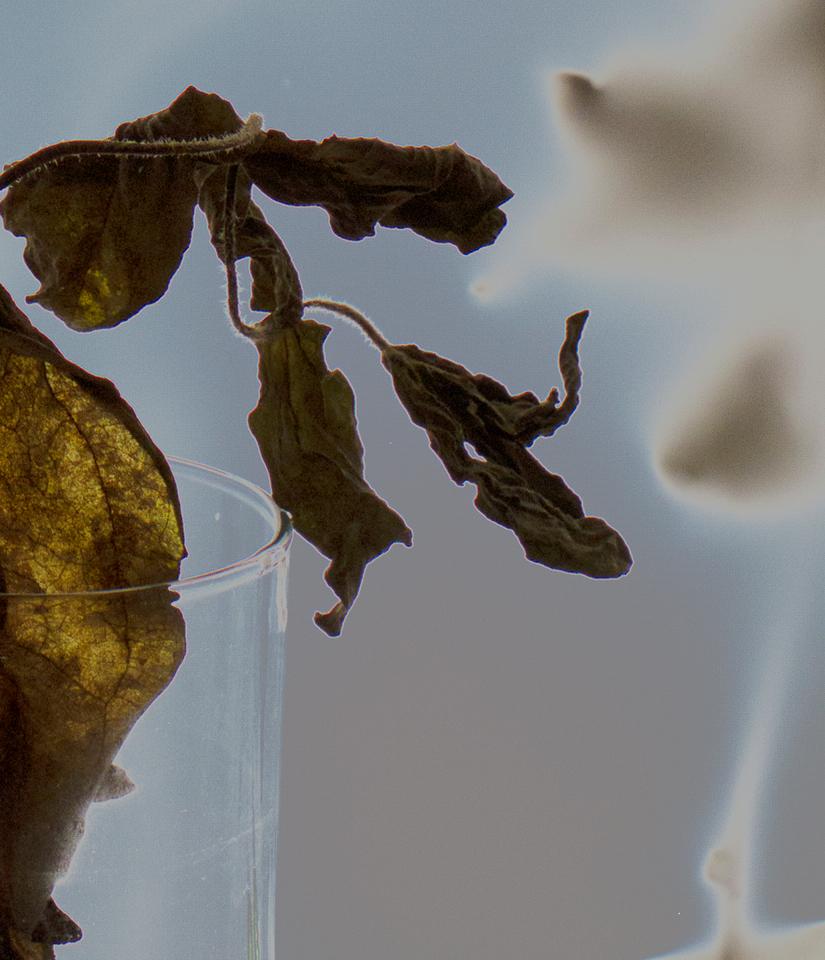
(226, 149)
(355, 316)
(229, 255)
(252, 331)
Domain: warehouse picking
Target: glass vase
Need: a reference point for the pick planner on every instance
(159, 842)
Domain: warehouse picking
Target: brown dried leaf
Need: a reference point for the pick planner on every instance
(458, 408)
(191, 115)
(305, 427)
(441, 193)
(103, 236)
(16, 948)
(106, 235)
(87, 502)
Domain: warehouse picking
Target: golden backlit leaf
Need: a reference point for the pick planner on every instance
(441, 193)
(88, 503)
(460, 409)
(306, 429)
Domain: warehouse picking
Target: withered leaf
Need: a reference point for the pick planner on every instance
(458, 408)
(191, 115)
(441, 193)
(305, 427)
(103, 236)
(88, 504)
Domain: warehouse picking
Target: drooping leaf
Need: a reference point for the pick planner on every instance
(88, 503)
(441, 193)
(458, 408)
(305, 427)
(103, 236)
(305, 420)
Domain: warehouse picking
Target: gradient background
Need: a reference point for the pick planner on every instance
(494, 760)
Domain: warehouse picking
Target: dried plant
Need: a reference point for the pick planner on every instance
(88, 502)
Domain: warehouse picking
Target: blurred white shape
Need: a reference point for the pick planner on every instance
(687, 164)
(729, 866)
(794, 943)
(705, 168)
(743, 436)
(661, 147)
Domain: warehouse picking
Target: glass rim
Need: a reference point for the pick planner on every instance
(270, 554)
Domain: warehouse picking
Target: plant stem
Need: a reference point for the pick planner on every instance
(224, 149)
(372, 333)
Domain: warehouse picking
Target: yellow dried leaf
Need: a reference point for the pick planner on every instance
(88, 504)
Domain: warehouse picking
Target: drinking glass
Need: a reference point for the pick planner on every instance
(176, 860)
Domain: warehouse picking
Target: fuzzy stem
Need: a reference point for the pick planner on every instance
(229, 256)
(252, 331)
(224, 149)
(345, 310)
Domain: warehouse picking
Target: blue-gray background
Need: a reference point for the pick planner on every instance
(494, 760)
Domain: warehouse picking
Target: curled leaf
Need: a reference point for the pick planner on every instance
(441, 193)
(88, 503)
(305, 427)
(460, 409)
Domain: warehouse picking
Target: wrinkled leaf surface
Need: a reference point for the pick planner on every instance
(441, 193)
(191, 115)
(458, 408)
